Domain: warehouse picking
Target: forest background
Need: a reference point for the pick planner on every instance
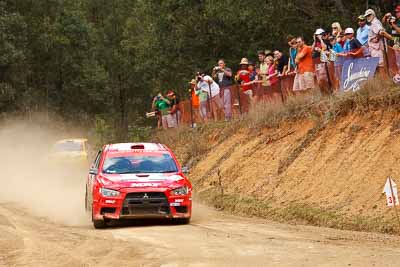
(98, 63)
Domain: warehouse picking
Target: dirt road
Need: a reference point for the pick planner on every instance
(42, 223)
(212, 239)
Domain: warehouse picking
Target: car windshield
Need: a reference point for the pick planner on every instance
(160, 163)
(68, 146)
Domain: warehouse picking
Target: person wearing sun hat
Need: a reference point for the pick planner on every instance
(376, 35)
(195, 101)
(243, 77)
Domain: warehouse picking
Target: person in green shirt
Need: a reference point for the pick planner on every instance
(162, 106)
(203, 99)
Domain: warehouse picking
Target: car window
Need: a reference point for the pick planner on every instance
(97, 160)
(161, 163)
(68, 146)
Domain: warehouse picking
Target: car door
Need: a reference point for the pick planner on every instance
(91, 178)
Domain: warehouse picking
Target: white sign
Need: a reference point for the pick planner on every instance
(390, 190)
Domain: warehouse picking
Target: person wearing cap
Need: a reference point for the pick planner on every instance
(203, 101)
(174, 117)
(304, 79)
(320, 43)
(394, 23)
(208, 85)
(362, 31)
(223, 77)
(352, 47)
(162, 106)
(376, 35)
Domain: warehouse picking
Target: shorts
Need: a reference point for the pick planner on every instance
(249, 93)
(304, 81)
(203, 109)
(377, 53)
(174, 119)
(217, 101)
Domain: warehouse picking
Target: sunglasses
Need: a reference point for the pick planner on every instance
(334, 28)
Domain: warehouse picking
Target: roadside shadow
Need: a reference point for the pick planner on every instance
(139, 223)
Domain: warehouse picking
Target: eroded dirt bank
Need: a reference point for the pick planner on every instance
(329, 174)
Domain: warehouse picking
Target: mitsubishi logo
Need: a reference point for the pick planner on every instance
(145, 196)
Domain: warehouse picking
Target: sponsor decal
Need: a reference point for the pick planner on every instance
(357, 71)
(179, 200)
(145, 184)
(109, 201)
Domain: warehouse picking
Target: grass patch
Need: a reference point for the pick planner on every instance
(295, 213)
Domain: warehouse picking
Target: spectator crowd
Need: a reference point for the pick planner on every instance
(212, 93)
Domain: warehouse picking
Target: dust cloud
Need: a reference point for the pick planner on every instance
(31, 180)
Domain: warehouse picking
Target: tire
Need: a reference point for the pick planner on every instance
(183, 220)
(99, 224)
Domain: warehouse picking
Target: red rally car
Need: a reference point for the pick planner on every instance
(137, 180)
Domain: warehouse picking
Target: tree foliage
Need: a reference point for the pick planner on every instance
(87, 58)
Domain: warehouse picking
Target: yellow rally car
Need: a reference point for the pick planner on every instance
(71, 151)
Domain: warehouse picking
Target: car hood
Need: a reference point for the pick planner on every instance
(142, 180)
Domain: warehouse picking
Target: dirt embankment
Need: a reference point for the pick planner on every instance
(329, 174)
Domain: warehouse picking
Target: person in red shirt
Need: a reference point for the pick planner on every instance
(243, 76)
(304, 79)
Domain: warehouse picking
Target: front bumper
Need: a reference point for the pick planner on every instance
(146, 204)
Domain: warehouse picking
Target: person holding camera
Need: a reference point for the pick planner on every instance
(376, 40)
(394, 23)
(175, 110)
(208, 85)
(162, 107)
(223, 77)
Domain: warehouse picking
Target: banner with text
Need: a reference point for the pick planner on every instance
(357, 71)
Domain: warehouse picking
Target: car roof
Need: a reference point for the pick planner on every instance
(144, 147)
(78, 140)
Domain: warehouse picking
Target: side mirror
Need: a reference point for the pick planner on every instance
(93, 171)
(185, 170)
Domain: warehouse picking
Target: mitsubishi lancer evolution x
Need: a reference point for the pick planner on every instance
(137, 180)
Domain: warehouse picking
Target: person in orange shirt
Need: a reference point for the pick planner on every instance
(304, 79)
(195, 102)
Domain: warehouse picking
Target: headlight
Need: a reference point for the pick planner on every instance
(184, 190)
(108, 192)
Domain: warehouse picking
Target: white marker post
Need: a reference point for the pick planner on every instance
(392, 198)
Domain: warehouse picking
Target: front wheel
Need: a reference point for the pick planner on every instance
(182, 220)
(99, 224)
